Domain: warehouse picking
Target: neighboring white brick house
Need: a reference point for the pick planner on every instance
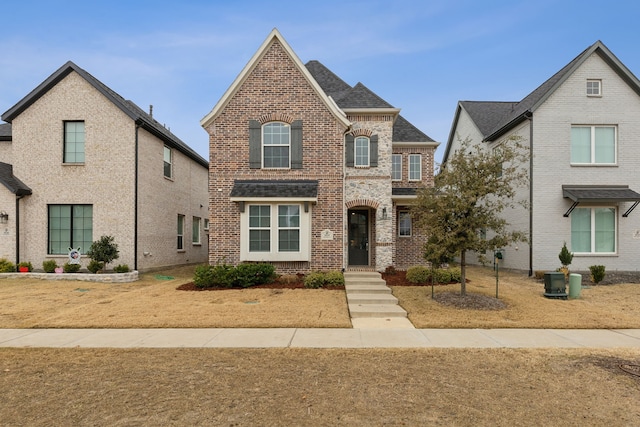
(79, 162)
(583, 128)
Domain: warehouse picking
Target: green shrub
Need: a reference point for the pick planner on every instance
(95, 266)
(565, 256)
(418, 274)
(247, 275)
(456, 274)
(49, 266)
(334, 278)
(203, 276)
(103, 250)
(314, 280)
(442, 275)
(597, 273)
(121, 268)
(223, 276)
(71, 268)
(7, 266)
(25, 264)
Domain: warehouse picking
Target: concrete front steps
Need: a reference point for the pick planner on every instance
(371, 304)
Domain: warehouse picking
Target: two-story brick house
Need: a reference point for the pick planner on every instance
(78, 161)
(310, 173)
(582, 129)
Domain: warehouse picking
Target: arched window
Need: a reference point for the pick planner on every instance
(276, 145)
(362, 150)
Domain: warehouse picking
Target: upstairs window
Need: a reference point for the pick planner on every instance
(594, 87)
(415, 167)
(396, 167)
(593, 145)
(74, 142)
(362, 151)
(276, 145)
(167, 162)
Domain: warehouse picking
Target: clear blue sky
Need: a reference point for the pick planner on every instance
(420, 56)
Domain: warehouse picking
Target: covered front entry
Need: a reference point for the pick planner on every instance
(359, 236)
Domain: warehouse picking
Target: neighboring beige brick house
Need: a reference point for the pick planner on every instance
(78, 161)
(310, 173)
(583, 128)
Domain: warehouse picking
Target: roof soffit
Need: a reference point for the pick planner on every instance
(246, 71)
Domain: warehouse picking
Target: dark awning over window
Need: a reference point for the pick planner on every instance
(253, 189)
(600, 194)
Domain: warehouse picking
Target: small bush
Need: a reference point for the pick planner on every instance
(390, 270)
(456, 274)
(288, 279)
(95, 266)
(248, 275)
(442, 275)
(121, 268)
(314, 280)
(334, 278)
(565, 256)
(597, 273)
(25, 264)
(49, 266)
(223, 276)
(203, 276)
(71, 268)
(539, 274)
(418, 274)
(7, 266)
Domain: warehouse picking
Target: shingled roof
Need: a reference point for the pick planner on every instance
(275, 188)
(5, 132)
(128, 107)
(9, 180)
(360, 96)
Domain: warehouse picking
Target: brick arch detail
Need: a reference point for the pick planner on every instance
(275, 117)
(361, 132)
(362, 202)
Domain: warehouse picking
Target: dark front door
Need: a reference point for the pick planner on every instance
(358, 237)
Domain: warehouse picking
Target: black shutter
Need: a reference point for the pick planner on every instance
(348, 147)
(296, 144)
(373, 151)
(255, 144)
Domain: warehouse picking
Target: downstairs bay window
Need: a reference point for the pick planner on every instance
(275, 232)
(593, 230)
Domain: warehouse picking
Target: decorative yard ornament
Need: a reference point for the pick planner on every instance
(74, 256)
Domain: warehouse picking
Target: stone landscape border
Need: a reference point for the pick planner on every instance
(131, 276)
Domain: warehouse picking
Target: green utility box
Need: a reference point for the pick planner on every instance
(554, 285)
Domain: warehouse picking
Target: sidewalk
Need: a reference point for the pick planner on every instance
(321, 338)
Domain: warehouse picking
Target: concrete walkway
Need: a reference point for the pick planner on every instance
(321, 338)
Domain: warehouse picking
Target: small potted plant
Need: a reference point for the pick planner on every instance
(49, 266)
(24, 267)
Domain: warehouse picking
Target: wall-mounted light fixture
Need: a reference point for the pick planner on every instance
(4, 217)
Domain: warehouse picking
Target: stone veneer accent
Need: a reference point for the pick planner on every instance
(132, 276)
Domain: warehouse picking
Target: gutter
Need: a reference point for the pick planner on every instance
(135, 203)
(529, 116)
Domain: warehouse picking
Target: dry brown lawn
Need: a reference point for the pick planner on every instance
(314, 387)
(599, 306)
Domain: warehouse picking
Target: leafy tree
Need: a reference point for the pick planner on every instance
(462, 211)
(103, 250)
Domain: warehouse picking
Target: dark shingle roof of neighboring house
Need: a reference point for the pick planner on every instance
(360, 96)
(5, 132)
(487, 114)
(9, 180)
(129, 108)
(532, 101)
(275, 188)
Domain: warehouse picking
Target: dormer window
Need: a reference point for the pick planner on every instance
(594, 87)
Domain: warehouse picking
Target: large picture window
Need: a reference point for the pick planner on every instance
(593, 145)
(276, 145)
(70, 226)
(593, 230)
(275, 232)
(74, 142)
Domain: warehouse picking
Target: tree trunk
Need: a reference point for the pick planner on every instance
(463, 273)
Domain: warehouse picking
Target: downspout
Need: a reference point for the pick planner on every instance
(135, 203)
(18, 229)
(529, 116)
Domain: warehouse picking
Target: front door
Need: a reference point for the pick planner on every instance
(358, 237)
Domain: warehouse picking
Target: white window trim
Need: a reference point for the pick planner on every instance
(594, 95)
(263, 146)
(593, 145)
(392, 178)
(355, 152)
(305, 234)
(197, 242)
(400, 214)
(419, 167)
(593, 234)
